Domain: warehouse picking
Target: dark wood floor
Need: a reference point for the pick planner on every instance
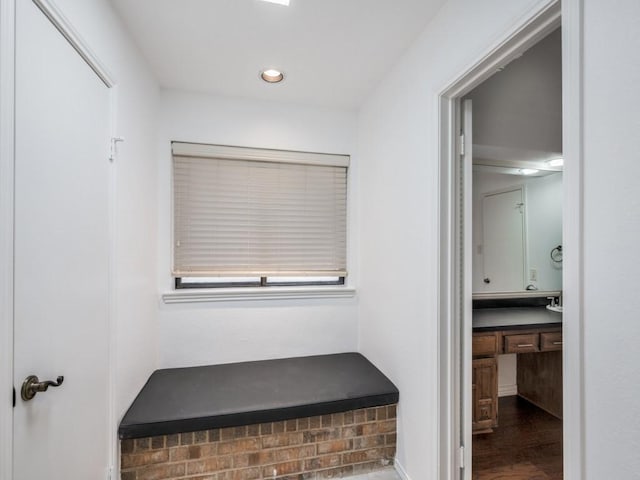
(526, 446)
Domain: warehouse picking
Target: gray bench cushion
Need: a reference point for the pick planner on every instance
(178, 400)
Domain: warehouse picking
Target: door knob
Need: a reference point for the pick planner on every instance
(487, 280)
(32, 385)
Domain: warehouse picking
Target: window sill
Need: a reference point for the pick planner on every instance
(258, 293)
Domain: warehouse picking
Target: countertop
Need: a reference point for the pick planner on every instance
(490, 319)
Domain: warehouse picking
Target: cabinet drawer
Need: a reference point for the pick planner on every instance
(484, 345)
(550, 341)
(522, 343)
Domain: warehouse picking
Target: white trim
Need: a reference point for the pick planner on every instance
(526, 31)
(7, 156)
(400, 470)
(507, 390)
(112, 439)
(572, 238)
(59, 21)
(258, 293)
(181, 149)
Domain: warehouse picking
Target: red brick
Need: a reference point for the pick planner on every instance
(144, 458)
(126, 446)
(266, 428)
(391, 411)
(178, 453)
(295, 453)
(368, 442)
(206, 465)
(246, 445)
(291, 425)
(362, 456)
(186, 438)
(315, 422)
(338, 472)
(141, 444)
(282, 440)
(285, 468)
(334, 446)
(388, 426)
(200, 437)
(159, 472)
(246, 474)
(324, 461)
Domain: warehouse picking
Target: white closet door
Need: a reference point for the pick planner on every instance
(503, 231)
(61, 256)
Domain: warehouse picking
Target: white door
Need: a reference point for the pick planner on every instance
(466, 303)
(503, 242)
(61, 256)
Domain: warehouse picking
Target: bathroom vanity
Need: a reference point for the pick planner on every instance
(535, 335)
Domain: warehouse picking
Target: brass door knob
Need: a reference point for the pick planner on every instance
(32, 385)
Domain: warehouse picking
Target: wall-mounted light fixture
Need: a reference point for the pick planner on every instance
(556, 162)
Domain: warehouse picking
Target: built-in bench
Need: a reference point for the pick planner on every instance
(297, 418)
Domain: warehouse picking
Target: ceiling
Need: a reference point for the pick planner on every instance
(333, 52)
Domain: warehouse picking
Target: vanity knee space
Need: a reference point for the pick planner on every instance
(539, 370)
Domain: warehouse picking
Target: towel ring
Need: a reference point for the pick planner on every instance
(556, 254)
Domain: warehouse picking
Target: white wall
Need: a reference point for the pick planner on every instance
(398, 148)
(520, 108)
(398, 134)
(611, 238)
(135, 295)
(212, 333)
(543, 200)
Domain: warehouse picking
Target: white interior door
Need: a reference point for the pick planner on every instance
(503, 242)
(61, 256)
(466, 303)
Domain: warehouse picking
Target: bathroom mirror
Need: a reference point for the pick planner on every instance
(517, 230)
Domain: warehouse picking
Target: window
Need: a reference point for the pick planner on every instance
(257, 217)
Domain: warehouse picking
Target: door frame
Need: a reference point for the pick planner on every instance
(7, 171)
(542, 18)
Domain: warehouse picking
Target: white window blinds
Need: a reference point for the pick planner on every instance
(252, 212)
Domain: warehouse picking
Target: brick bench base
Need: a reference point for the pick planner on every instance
(312, 448)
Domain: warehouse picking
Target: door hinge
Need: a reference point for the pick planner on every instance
(461, 457)
(462, 144)
(112, 149)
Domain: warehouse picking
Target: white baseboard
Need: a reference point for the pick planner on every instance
(507, 390)
(400, 469)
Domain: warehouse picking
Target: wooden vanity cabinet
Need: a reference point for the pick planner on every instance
(485, 347)
(539, 373)
(485, 394)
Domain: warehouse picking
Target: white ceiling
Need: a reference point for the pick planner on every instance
(333, 52)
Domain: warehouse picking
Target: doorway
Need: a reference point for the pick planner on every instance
(516, 231)
(456, 301)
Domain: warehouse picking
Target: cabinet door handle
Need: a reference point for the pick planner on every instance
(522, 345)
(558, 343)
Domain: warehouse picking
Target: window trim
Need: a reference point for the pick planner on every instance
(199, 295)
(263, 283)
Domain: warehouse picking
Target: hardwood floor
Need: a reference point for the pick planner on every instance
(526, 446)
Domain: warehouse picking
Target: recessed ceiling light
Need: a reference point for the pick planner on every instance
(556, 162)
(528, 171)
(279, 2)
(272, 75)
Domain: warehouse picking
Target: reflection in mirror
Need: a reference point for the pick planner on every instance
(517, 227)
